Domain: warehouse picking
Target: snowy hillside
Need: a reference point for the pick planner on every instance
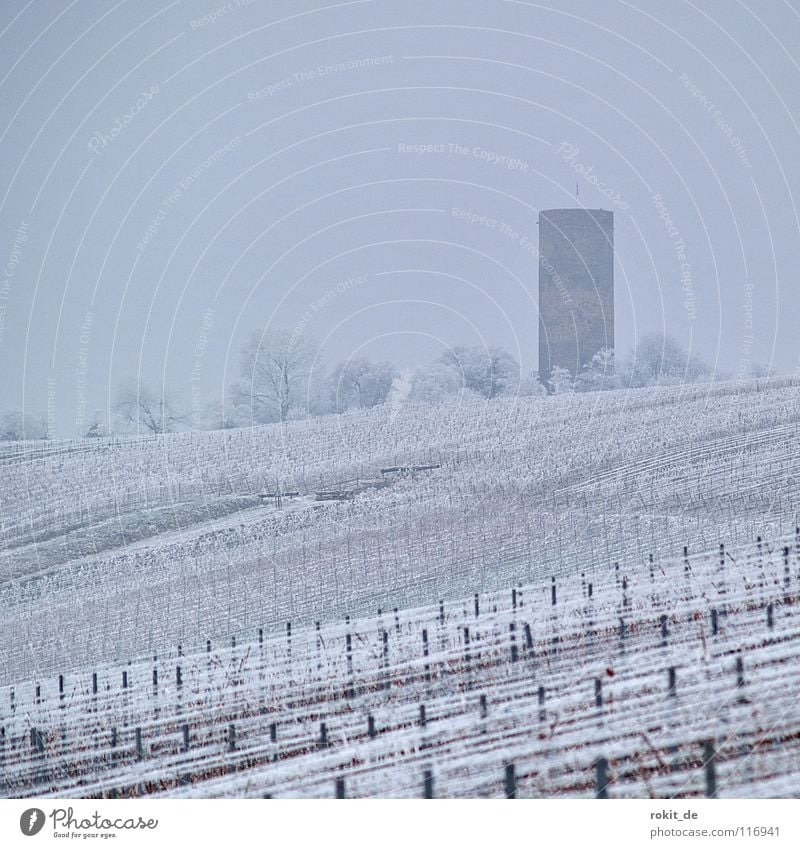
(126, 566)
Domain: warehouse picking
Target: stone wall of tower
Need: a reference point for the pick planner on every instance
(576, 287)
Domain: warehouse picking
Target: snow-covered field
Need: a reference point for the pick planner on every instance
(130, 560)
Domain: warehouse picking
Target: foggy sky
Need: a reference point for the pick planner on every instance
(175, 175)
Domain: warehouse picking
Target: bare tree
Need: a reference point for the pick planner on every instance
(276, 369)
(141, 406)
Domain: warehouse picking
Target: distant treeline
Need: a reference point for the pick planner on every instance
(283, 377)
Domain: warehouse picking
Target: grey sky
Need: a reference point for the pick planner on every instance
(246, 186)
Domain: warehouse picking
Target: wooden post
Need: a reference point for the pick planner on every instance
(273, 732)
(598, 692)
(427, 784)
(553, 591)
(740, 678)
(542, 711)
(484, 707)
(786, 572)
(323, 735)
(37, 741)
(124, 679)
(663, 631)
(371, 726)
(513, 598)
(422, 719)
(601, 778)
(770, 619)
(511, 781)
(425, 654)
(139, 746)
(441, 612)
(512, 635)
(231, 738)
(350, 692)
(387, 682)
(477, 606)
(714, 622)
(178, 677)
(185, 734)
(709, 760)
(671, 687)
(340, 787)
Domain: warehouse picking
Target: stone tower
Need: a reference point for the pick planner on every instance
(576, 287)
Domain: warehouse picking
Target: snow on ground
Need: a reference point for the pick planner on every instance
(638, 668)
(117, 552)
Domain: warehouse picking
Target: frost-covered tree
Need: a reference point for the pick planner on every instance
(140, 406)
(96, 428)
(276, 373)
(16, 426)
(223, 415)
(487, 371)
(659, 359)
(760, 370)
(531, 386)
(599, 374)
(561, 381)
(434, 382)
(360, 384)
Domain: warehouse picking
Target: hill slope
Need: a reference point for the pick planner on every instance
(122, 547)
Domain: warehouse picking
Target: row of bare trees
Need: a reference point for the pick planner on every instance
(282, 376)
